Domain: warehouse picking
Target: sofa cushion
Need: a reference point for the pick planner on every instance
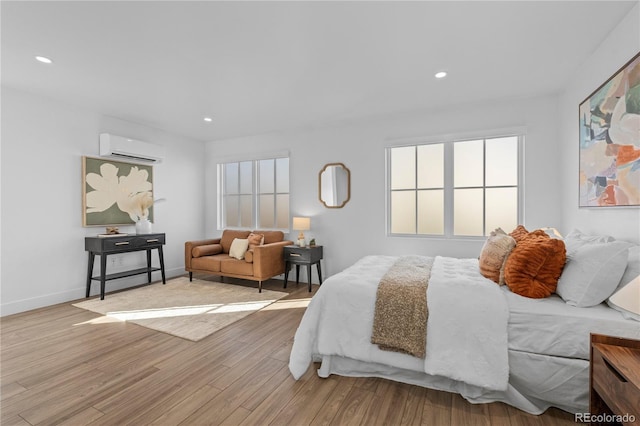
(271, 236)
(235, 266)
(248, 256)
(206, 250)
(228, 235)
(208, 263)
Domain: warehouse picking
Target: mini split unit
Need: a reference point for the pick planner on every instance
(130, 149)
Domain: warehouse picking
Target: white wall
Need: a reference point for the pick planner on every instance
(620, 46)
(358, 229)
(43, 257)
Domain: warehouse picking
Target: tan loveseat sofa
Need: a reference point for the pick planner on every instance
(259, 263)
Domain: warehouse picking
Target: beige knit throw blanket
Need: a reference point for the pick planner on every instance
(400, 318)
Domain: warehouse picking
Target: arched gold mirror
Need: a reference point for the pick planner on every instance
(334, 185)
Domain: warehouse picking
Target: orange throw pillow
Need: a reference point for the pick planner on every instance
(534, 265)
(255, 240)
(521, 232)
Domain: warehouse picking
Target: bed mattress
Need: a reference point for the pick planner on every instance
(551, 327)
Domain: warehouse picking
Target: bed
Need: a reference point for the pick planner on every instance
(531, 354)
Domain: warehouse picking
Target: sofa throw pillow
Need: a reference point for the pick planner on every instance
(534, 265)
(494, 254)
(270, 236)
(238, 248)
(255, 240)
(627, 300)
(592, 273)
(207, 250)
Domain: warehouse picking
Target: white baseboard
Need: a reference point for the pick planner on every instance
(23, 305)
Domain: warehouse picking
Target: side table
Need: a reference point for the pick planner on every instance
(614, 380)
(122, 244)
(296, 255)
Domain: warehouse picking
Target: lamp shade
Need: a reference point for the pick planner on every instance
(301, 223)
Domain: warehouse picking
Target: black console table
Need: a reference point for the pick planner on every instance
(122, 244)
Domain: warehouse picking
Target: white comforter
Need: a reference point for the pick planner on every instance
(466, 330)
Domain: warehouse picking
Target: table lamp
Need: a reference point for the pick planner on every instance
(301, 224)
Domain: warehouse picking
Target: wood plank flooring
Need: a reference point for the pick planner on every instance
(62, 365)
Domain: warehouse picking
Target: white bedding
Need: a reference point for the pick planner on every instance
(548, 343)
(551, 327)
(467, 315)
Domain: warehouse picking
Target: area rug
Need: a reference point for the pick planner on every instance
(191, 310)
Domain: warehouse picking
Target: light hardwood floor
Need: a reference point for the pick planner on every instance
(61, 365)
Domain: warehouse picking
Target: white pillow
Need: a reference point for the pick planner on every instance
(627, 300)
(633, 267)
(592, 273)
(576, 239)
(238, 248)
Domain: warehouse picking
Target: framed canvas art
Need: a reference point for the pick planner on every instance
(609, 133)
(115, 192)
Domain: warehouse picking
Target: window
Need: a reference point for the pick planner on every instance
(254, 194)
(455, 188)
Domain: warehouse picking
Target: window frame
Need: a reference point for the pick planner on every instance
(221, 222)
(448, 142)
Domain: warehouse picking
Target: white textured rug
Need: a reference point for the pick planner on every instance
(191, 310)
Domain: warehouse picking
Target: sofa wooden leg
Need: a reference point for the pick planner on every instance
(190, 276)
(259, 286)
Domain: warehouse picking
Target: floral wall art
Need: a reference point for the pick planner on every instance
(610, 141)
(115, 192)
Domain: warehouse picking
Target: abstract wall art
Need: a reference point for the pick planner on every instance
(115, 192)
(610, 141)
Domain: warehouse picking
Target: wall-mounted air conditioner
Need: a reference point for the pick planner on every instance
(129, 149)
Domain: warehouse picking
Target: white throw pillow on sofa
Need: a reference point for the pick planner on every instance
(593, 272)
(238, 248)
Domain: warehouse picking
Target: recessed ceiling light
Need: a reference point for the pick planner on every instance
(208, 119)
(44, 59)
(441, 74)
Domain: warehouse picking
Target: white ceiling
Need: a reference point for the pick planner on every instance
(257, 67)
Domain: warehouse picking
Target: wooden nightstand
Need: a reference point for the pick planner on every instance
(614, 378)
(295, 255)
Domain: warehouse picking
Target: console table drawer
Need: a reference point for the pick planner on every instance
(304, 255)
(134, 242)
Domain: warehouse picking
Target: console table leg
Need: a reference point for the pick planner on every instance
(149, 266)
(103, 273)
(92, 257)
(297, 274)
(309, 276)
(319, 272)
(161, 256)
